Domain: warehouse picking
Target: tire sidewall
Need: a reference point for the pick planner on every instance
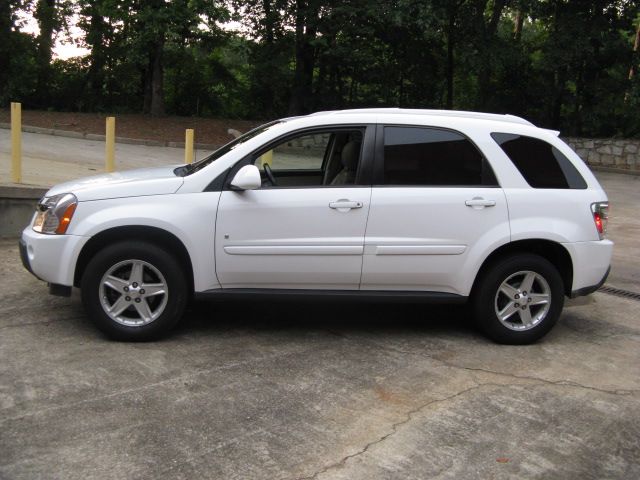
(498, 272)
(160, 259)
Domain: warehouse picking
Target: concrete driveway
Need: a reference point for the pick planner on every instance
(49, 159)
(324, 391)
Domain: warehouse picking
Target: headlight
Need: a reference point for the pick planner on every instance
(54, 214)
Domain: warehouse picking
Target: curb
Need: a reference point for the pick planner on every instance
(22, 192)
(599, 168)
(101, 138)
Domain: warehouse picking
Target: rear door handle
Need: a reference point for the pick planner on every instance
(344, 205)
(479, 202)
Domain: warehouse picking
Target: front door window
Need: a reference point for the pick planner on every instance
(330, 158)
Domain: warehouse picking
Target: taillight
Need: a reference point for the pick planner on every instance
(600, 212)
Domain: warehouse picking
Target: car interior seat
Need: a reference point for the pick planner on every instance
(349, 158)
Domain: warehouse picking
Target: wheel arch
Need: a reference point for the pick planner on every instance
(155, 235)
(552, 251)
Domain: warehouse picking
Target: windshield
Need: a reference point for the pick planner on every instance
(188, 169)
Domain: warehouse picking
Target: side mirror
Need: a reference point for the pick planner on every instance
(247, 178)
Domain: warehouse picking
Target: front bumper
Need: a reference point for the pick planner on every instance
(22, 245)
(51, 258)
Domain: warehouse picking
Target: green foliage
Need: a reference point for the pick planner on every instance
(22, 69)
(208, 82)
(563, 64)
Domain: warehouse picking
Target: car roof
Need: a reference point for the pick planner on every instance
(458, 120)
(452, 114)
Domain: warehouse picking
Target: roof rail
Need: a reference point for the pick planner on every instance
(440, 113)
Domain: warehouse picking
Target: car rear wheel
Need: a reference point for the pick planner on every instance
(518, 299)
(134, 291)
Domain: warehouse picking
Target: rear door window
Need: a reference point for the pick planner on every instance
(541, 164)
(419, 156)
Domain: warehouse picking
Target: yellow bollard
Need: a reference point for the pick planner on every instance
(16, 142)
(110, 145)
(188, 146)
(267, 158)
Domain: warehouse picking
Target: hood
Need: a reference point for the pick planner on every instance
(131, 183)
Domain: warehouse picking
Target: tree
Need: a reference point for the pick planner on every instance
(95, 21)
(51, 16)
(17, 53)
(6, 25)
(564, 64)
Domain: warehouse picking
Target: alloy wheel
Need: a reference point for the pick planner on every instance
(133, 293)
(523, 300)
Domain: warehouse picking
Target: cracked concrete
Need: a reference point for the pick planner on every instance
(319, 391)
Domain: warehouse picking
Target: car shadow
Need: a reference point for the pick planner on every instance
(339, 318)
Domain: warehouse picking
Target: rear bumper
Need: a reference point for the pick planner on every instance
(591, 265)
(589, 290)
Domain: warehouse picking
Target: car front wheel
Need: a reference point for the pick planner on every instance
(134, 291)
(519, 299)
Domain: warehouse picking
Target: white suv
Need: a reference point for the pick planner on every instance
(417, 205)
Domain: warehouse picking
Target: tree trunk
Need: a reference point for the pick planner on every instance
(6, 24)
(519, 23)
(450, 59)
(267, 70)
(576, 121)
(157, 81)
(154, 80)
(636, 46)
(558, 76)
(558, 98)
(496, 12)
(146, 87)
(45, 14)
(95, 76)
(634, 61)
(301, 94)
(487, 43)
(269, 21)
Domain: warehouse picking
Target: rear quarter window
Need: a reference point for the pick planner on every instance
(541, 164)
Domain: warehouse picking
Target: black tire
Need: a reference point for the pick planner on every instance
(158, 267)
(523, 328)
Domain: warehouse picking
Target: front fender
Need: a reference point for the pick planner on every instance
(189, 217)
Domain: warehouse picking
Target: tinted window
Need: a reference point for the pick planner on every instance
(541, 164)
(429, 156)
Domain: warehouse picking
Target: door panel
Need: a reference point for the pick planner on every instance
(428, 238)
(291, 238)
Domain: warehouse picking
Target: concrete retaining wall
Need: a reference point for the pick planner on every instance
(616, 155)
(17, 205)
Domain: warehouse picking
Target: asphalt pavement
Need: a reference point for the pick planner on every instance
(275, 390)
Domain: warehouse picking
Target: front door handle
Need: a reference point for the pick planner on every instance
(343, 204)
(479, 202)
